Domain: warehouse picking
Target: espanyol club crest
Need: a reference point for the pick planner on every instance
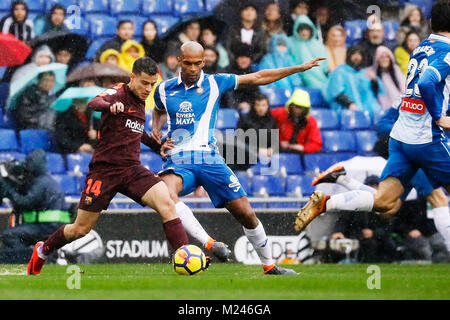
(185, 106)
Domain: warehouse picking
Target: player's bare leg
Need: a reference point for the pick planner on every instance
(193, 227)
(67, 233)
(241, 209)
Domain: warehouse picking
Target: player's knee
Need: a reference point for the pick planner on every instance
(166, 208)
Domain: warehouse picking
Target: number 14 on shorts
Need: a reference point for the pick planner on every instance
(93, 186)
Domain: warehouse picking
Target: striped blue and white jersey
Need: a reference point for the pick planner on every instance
(427, 93)
(192, 112)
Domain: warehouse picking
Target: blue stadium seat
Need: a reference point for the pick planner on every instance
(156, 7)
(377, 116)
(268, 185)
(68, 184)
(138, 22)
(227, 119)
(94, 6)
(390, 29)
(277, 96)
(94, 46)
(65, 3)
(317, 162)
(365, 141)
(326, 119)
(297, 185)
(244, 180)
(11, 155)
(152, 161)
(8, 140)
(101, 25)
(211, 4)
(55, 163)
(5, 5)
(35, 5)
(316, 97)
(78, 162)
(164, 22)
(289, 163)
(355, 120)
(338, 141)
(424, 5)
(124, 6)
(186, 7)
(31, 139)
(355, 30)
(77, 24)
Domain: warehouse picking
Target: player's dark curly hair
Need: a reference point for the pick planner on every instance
(440, 16)
(146, 65)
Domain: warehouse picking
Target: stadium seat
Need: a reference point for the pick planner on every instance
(298, 185)
(227, 119)
(55, 163)
(11, 155)
(31, 139)
(365, 141)
(390, 29)
(94, 46)
(268, 186)
(94, 6)
(244, 179)
(424, 5)
(338, 141)
(5, 5)
(8, 140)
(318, 162)
(354, 30)
(326, 119)
(164, 22)
(124, 6)
(152, 161)
(316, 97)
(211, 4)
(65, 3)
(288, 163)
(35, 5)
(67, 183)
(156, 7)
(277, 96)
(101, 25)
(377, 116)
(78, 162)
(186, 7)
(355, 120)
(77, 24)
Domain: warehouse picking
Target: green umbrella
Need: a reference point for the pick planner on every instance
(30, 77)
(65, 100)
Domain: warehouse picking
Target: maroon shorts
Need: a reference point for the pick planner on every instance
(102, 184)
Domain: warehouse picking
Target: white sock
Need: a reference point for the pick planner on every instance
(441, 218)
(261, 243)
(352, 184)
(356, 200)
(40, 253)
(190, 223)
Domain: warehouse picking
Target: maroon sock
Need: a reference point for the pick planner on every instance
(175, 233)
(55, 241)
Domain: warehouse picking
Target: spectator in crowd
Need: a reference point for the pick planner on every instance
(299, 132)
(53, 21)
(297, 8)
(246, 31)
(211, 58)
(76, 128)
(403, 52)
(279, 57)
(322, 19)
(304, 45)
(64, 55)
(130, 52)
(413, 20)
(351, 87)
(41, 56)
(272, 23)
(260, 119)
(191, 32)
(394, 81)
(17, 22)
(170, 68)
(125, 31)
(33, 105)
(335, 45)
(110, 56)
(39, 201)
(154, 47)
(373, 38)
(240, 99)
(371, 230)
(208, 38)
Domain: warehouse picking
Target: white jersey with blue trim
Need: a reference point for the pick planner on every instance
(415, 124)
(192, 111)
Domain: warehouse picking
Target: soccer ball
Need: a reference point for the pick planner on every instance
(189, 260)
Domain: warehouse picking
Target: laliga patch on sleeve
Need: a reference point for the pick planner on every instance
(111, 91)
(447, 58)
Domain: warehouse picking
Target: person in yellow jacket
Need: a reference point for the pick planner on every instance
(110, 56)
(402, 53)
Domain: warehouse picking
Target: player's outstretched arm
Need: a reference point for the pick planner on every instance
(267, 76)
(158, 120)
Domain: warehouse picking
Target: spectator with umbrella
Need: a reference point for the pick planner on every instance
(12, 51)
(53, 21)
(17, 22)
(40, 57)
(102, 74)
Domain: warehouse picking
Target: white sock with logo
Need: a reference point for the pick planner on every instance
(261, 243)
(355, 200)
(441, 218)
(352, 184)
(190, 223)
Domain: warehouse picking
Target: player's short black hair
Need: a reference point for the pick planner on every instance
(440, 16)
(146, 65)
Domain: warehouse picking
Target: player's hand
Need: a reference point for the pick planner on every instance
(166, 146)
(311, 64)
(116, 108)
(156, 135)
(444, 123)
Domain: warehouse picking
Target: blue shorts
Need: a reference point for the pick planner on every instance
(406, 159)
(209, 171)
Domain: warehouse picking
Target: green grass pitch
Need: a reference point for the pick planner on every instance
(227, 282)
